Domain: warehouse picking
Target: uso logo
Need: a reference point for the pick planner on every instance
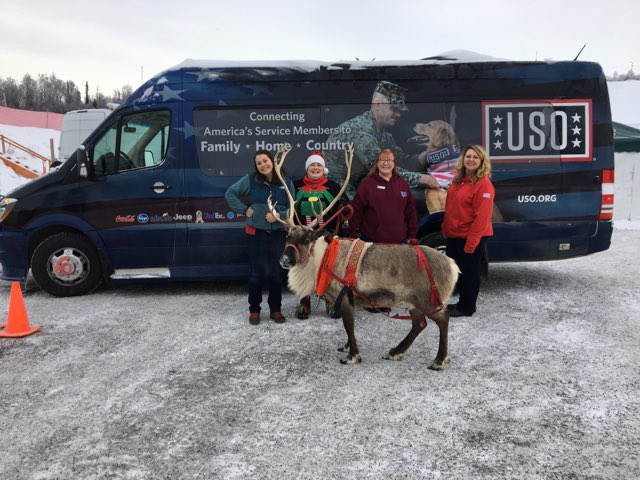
(538, 130)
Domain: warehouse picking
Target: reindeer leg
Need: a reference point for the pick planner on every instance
(349, 325)
(416, 328)
(441, 361)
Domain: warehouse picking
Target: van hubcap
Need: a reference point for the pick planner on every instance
(68, 266)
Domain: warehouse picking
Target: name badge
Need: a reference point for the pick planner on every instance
(381, 187)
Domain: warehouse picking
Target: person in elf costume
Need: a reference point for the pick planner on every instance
(314, 192)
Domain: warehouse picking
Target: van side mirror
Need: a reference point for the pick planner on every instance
(82, 162)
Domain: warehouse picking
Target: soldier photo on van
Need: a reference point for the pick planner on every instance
(369, 135)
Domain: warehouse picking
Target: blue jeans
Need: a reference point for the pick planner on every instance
(469, 280)
(265, 250)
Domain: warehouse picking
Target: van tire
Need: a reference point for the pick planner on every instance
(66, 264)
(435, 240)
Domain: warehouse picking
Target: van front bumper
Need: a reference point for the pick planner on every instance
(13, 255)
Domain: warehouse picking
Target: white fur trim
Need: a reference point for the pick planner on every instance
(315, 159)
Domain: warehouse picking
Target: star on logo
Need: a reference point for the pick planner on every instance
(576, 130)
(576, 143)
(576, 118)
(497, 132)
(497, 144)
(497, 119)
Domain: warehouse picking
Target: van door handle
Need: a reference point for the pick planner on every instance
(160, 187)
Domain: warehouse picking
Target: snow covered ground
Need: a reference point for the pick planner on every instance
(172, 382)
(36, 139)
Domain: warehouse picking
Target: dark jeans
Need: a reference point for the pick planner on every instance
(265, 250)
(469, 280)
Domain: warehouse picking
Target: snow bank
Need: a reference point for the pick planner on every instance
(36, 139)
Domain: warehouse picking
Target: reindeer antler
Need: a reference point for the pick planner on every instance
(278, 161)
(276, 215)
(348, 158)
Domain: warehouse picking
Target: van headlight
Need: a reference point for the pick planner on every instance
(6, 205)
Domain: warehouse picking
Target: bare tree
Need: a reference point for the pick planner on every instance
(10, 95)
(52, 94)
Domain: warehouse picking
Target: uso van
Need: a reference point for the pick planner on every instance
(143, 197)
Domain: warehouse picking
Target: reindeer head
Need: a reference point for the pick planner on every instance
(299, 246)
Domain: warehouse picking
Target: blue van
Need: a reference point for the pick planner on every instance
(144, 196)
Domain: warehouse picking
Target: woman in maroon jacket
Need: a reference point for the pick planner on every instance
(467, 223)
(383, 207)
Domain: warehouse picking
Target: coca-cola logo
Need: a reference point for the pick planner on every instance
(125, 218)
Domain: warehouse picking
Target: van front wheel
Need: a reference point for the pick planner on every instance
(66, 265)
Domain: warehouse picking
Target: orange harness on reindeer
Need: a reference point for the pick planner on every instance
(326, 273)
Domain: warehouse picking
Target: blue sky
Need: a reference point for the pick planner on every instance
(120, 42)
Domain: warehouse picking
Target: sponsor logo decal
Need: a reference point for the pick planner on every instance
(142, 218)
(164, 218)
(538, 130)
(125, 218)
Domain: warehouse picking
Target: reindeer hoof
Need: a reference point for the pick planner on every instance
(439, 367)
(351, 360)
(393, 356)
(344, 348)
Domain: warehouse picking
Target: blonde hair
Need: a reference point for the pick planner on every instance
(374, 167)
(484, 170)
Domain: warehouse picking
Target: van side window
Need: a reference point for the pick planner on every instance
(134, 141)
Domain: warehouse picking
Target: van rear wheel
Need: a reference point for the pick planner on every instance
(66, 265)
(435, 240)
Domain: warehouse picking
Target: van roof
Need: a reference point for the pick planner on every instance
(453, 56)
(182, 81)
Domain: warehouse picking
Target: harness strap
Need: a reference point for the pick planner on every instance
(355, 252)
(422, 260)
(343, 214)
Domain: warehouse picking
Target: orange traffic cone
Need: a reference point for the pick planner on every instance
(17, 320)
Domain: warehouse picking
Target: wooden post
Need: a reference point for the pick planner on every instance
(53, 156)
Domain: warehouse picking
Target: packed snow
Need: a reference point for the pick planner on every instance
(36, 139)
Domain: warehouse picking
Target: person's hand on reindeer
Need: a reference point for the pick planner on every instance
(271, 217)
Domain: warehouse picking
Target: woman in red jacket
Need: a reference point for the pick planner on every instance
(467, 223)
(383, 208)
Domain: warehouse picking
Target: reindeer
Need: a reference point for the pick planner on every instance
(417, 278)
